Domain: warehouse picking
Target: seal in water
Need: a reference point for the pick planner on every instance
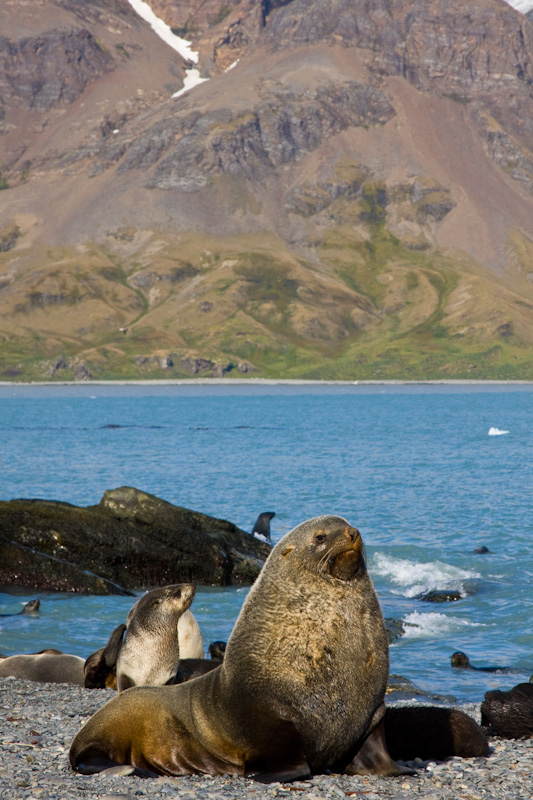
(31, 609)
(509, 714)
(150, 652)
(461, 661)
(46, 666)
(300, 690)
(261, 528)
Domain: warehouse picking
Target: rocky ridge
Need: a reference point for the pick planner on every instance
(353, 198)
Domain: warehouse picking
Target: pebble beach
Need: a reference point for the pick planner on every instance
(38, 722)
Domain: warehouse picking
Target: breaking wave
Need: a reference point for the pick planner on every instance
(433, 624)
(411, 578)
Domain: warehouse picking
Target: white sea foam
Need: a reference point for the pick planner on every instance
(496, 432)
(414, 578)
(432, 624)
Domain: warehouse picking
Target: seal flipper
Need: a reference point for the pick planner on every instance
(95, 764)
(373, 758)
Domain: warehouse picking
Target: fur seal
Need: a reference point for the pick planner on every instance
(217, 650)
(190, 636)
(31, 609)
(261, 529)
(461, 661)
(300, 690)
(150, 652)
(509, 714)
(190, 668)
(432, 732)
(46, 666)
(100, 667)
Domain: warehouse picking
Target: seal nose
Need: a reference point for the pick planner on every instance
(352, 534)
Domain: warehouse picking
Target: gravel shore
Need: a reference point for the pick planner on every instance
(38, 722)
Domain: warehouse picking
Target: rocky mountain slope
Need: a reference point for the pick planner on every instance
(349, 195)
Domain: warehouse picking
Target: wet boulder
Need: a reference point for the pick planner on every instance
(130, 540)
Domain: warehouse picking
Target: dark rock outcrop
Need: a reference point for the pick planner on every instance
(129, 540)
(45, 71)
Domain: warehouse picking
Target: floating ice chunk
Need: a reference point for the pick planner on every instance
(496, 432)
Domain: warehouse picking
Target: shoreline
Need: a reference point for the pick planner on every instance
(39, 720)
(270, 382)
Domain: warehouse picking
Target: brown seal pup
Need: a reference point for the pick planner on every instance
(100, 668)
(217, 650)
(432, 732)
(300, 689)
(150, 653)
(46, 666)
(190, 668)
(509, 714)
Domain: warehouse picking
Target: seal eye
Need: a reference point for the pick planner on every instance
(320, 538)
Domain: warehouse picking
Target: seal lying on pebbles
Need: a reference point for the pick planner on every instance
(46, 666)
(431, 732)
(150, 653)
(300, 689)
(509, 714)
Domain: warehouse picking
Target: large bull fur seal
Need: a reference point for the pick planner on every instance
(300, 690)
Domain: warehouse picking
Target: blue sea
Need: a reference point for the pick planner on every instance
(426, 472)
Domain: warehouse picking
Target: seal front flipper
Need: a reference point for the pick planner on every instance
(373, 758)
(103, 764)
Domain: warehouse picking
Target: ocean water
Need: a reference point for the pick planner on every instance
(412, 466)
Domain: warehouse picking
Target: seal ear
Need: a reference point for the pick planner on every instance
(287, 550)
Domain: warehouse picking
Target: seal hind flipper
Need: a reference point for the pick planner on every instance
(373, 758)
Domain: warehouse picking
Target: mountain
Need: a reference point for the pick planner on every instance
(348, 195)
